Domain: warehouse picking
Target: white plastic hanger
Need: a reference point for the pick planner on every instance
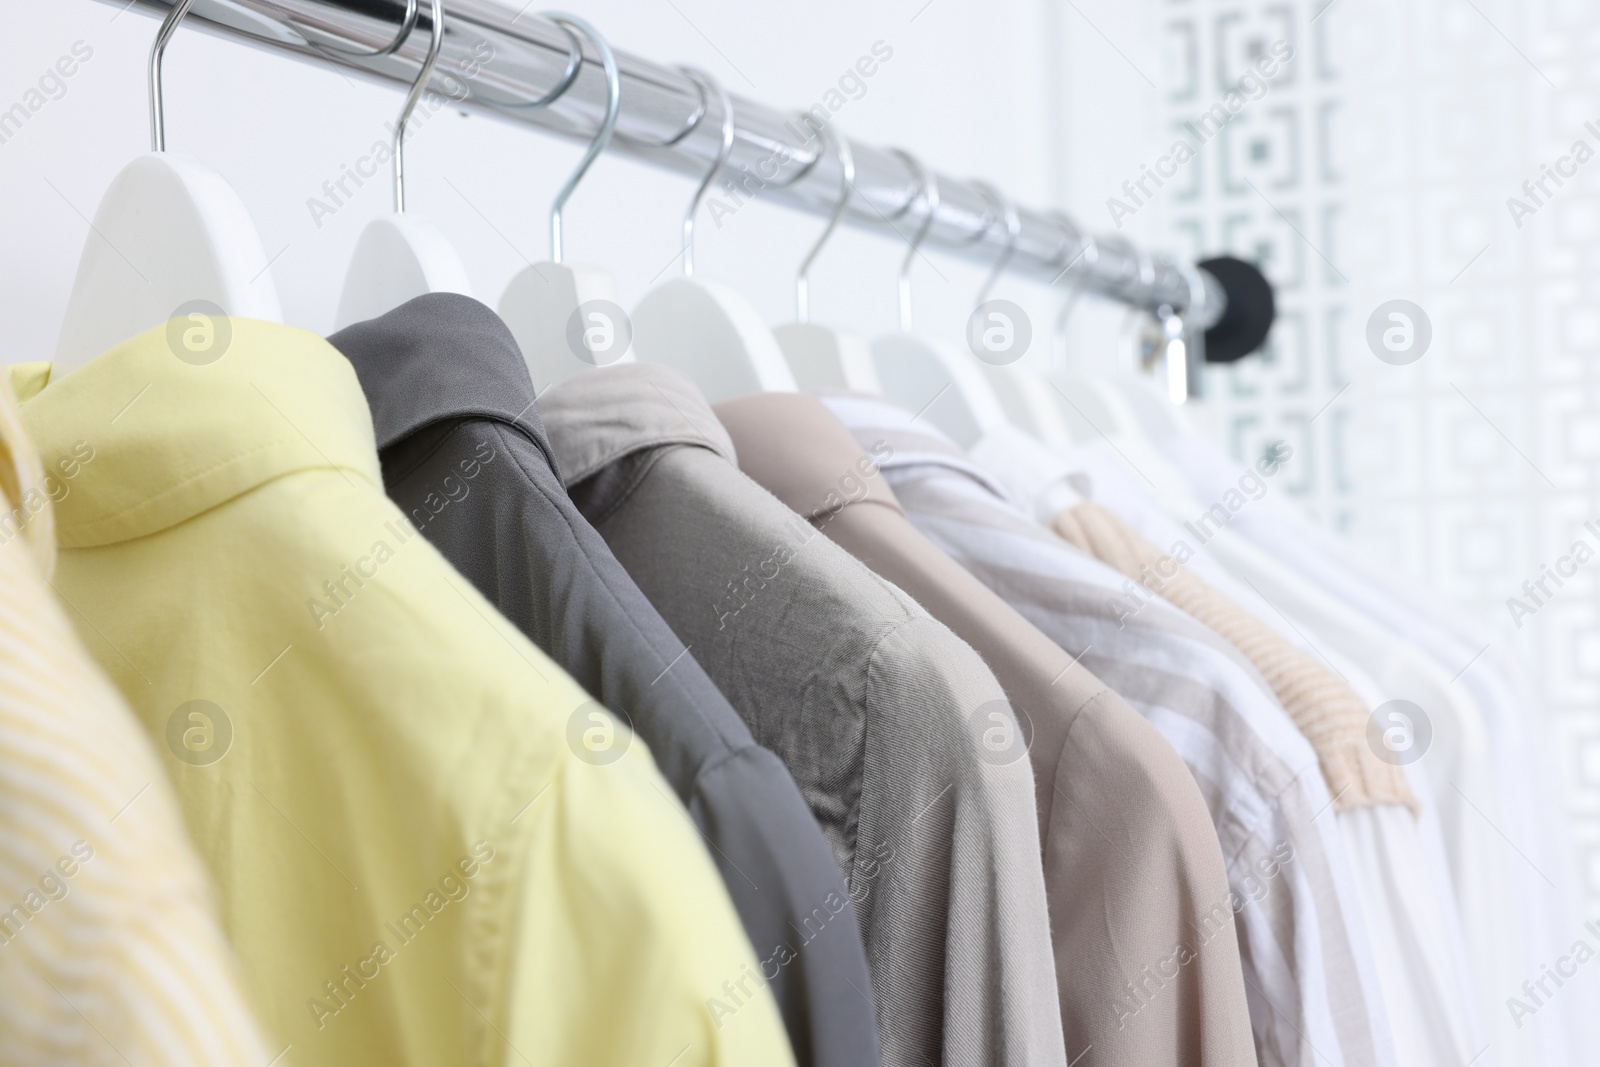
(402, 256)
(1099, 413)
(566, 317)
(1030, 399)
(824, 357)
(704, 328)
(1022, 392)
(928, 376)
(170, 237)
(1147, 339)
(1091, 407)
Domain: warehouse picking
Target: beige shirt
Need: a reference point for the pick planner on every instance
(1131, 857)
(1325, 709)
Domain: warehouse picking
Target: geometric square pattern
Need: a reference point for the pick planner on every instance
(1379, 166)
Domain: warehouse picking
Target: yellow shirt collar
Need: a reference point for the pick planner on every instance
(167, 438)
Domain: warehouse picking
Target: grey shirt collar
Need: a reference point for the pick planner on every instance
(605, 414)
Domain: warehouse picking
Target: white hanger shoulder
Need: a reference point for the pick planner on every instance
(821, 357)
(1100, 415)
(565, 316)
(1029, 401)
(566, 319)
(712, 334)
(169, 231)
(939, 382)
(398, 258)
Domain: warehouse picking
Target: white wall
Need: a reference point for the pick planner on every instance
(966, 89)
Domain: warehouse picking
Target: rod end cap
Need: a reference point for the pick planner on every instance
(1249, 314)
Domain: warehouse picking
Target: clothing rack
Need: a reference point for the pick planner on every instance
(513, 65)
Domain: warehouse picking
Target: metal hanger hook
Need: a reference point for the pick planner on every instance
(1013, 221)
(1196, 284)
(563, 83)
(1089, 255)
(847, 181)
(418, 87)
(708, 85)
(1088, 247)
(158, 107)
(1191, 343)
(928, 193)
(1147, 268)
(608, 125)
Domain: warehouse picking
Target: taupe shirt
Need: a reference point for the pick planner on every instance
(1132, 861)
(866, 699)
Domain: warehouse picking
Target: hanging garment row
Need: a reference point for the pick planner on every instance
(449, 691)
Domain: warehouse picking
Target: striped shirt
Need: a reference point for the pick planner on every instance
(1309, 973)
(110, 952)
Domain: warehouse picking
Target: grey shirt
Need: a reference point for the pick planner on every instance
(465, 456)
(876, 709)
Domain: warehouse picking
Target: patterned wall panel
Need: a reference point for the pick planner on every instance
(1379, 166)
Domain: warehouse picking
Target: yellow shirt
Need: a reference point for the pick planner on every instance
(110, 952)
(421, 858)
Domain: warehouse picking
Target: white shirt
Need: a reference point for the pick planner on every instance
(1413, 907)
(1399, 862)
(1510, 850)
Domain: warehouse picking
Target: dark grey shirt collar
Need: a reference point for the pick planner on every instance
(441, 356)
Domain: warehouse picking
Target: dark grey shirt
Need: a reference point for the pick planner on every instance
(464, 454)
(876, 708)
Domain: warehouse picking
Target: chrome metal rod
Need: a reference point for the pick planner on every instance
(509, 64)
